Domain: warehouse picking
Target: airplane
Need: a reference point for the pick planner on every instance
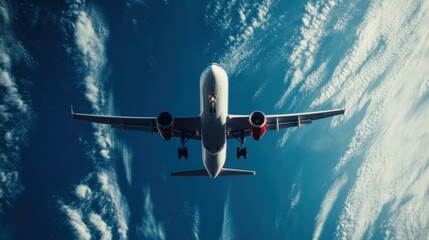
(213, 126)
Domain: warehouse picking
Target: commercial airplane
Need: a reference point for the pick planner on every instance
(213, 126)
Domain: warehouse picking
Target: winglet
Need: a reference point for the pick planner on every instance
(71, 108)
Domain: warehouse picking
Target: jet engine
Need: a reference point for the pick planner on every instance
(164, 123)
(258, 124)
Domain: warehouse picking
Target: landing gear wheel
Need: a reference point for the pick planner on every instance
(179, 153)
(185, 152)
(242, 152)
(238, 153)
(182, 152)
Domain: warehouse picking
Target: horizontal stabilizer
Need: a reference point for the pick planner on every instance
(203, 172)
(231, 172)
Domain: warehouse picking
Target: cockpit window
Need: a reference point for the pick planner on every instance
(212, 97)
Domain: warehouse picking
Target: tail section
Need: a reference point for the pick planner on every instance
(223, 172)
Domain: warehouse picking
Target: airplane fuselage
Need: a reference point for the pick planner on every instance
(214, 112)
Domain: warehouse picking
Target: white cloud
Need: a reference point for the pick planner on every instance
(101, 226)
(15, 110)
(302, 58)
(196, 225)
(227, 226)
(127, 158)
(239, 21)
(110, 187)
(90, 34)
(260, 89)
(296, 190)
(82, 191)
(327, 204)
(75, 220)
(382, 82)
(150, 228)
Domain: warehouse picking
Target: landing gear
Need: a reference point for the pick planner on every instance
(242, 150)
(183, 151)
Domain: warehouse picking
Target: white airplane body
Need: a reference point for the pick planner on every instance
(213, 126)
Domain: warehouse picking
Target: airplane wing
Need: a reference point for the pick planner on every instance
(190, 126)
(240, 123)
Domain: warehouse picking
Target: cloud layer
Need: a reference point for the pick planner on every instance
(382, 83)
(100, 187)
(239, 21)
(150, 228)
(15, 109)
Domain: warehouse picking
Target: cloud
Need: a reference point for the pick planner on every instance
(327, 204)
(307, 44)
(296, 190)
(110, 187)
(16, 114)
(83, 191)
(101, 226)
(196, 225)
(382, 81)
(150, 228)
(239, 21)
(127, 159)
(100, 187)
(227, 226)
(75, 220)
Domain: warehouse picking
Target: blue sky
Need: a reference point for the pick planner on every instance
(363, 175)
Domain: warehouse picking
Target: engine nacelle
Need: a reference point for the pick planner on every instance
(258, 124)
(164, 123)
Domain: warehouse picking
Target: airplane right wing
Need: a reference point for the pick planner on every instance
(238, 124)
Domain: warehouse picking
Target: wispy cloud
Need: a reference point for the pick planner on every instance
(382, 82)
(227, 226)
(100, 187)
(75, 220)
(327, 204)
(15, 109)
(296, 190)
(302, 58)
(196, 225)
(109, 186)
(239, 21)
(127, 159)
(150, 228)
(101, 226)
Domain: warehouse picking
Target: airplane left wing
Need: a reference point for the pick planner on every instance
(190, 126)
(237, 124)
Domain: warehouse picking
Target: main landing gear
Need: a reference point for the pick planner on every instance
(242, 150)
(183, 151)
